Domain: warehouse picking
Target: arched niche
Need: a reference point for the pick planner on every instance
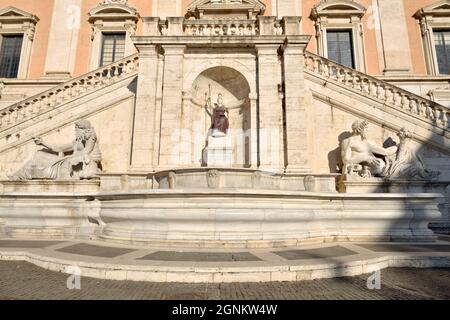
(236, 92)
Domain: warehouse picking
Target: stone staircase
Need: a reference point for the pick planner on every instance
(44, 103)
(382, 102)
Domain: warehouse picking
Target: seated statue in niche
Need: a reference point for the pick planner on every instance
(80, 159)
(363, 158)
(219, 116)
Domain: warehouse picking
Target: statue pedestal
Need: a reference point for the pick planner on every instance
(219, 152)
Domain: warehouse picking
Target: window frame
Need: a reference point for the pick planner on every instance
(431, 18)
(348, 17)
(111, 18)
(14, 21)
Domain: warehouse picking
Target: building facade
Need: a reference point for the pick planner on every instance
(339, 107)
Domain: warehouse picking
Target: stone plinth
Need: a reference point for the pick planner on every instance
(213, 178)
(358, 185)
(219, 152)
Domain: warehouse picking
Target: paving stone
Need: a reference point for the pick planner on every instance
(200, 256)
(27, 243)
(406, 247)
(21, 280)
(320, 253)
(95, 251)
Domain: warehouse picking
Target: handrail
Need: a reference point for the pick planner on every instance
(69, 90)
(389, 94)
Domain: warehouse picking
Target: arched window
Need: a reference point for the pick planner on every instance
(339, 32)
(435, 27)
(113, 23)
(17, 30)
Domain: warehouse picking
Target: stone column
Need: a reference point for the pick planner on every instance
(394, 34)
(143, 146)
(171, 114)
(296, 130)
(270, 108)
(186, 130)
(253, 131)
(63, 39)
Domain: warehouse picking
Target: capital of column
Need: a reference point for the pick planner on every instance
(174, 50)
(294, 48)
(147, 51)
(267, 49)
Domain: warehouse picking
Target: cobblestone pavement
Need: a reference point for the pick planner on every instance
(20, 280)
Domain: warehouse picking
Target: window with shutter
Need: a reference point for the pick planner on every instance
(11, 48)
(442, 44)
(340, 47)
(113, 48)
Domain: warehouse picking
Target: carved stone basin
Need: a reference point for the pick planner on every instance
(224, 178)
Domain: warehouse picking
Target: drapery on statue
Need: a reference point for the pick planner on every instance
(408, 164)
(77, 160)
(362, 157)
(219, 119)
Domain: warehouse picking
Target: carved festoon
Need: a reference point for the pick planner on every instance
(77, 160)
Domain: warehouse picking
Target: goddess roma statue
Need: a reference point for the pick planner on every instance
(219, 119)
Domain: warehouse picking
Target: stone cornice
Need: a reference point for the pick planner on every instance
(338, 8)
(439, 9)
(14, 15)
(225, 41)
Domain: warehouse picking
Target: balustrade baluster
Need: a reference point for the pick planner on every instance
(380, 92)
(404, 101)
(413, 106)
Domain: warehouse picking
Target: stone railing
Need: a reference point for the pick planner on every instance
(386, 93)
(262, 26)
(68, 91)
(221, 28)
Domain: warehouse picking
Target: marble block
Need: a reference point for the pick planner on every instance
(219, 152)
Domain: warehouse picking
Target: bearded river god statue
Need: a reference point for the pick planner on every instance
(77, 160)
(362, 157)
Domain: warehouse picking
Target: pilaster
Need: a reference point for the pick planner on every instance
(295, 117)
(143, 146)
(270, 108)
(171, 113)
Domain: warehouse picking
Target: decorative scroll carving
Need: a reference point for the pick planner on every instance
(105, 2)
(213, 179)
